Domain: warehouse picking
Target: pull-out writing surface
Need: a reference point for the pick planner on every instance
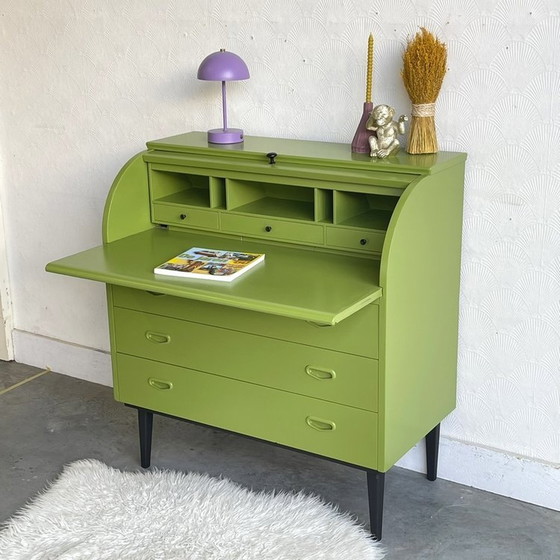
(292, 282)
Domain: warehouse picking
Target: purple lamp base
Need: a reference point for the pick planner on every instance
(225, 136)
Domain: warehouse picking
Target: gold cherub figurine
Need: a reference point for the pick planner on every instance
(384, 141)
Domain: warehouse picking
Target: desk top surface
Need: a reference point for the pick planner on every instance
(295, 151)
(299, 283)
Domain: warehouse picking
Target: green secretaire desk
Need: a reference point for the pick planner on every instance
(343, 343)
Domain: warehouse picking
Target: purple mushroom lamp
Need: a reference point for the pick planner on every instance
(223, 66)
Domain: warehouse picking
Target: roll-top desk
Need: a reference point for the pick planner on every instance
(343, 343)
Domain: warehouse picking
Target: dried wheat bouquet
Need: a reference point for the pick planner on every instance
(424, 66)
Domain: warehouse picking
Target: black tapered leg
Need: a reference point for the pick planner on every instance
(145, 424)
(432, 449)
(376, 489)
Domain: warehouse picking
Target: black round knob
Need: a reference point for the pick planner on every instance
(268, 228)
(363, 241)
(183, 216)
(271, 157)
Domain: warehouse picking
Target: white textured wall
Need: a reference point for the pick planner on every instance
(85, 83)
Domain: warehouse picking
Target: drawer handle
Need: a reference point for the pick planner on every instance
(157, 338)
(268, 229)
(160, 385)
(183, 216)
(156, 294)
(320, 373)
(363, 241)
(320, 425)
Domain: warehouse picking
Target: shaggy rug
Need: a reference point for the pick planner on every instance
(95, 512)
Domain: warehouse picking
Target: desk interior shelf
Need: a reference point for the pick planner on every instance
(172, 185)
(267, 199)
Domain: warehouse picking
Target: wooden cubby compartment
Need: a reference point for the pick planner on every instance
(173, 185)
(269, 199)
(363, 210)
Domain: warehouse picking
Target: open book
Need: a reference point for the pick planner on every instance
(210, 264)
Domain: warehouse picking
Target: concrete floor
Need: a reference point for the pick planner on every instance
(50, 420)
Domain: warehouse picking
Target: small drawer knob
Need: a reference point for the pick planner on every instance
(363, 241)
(268, 229)
(183, 216)
(271, 157)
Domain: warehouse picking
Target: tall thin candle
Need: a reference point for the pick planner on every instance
(360, 143)
(369, 68)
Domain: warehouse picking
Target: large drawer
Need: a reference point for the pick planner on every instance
(358, 334)
(328, 429)
(271, 228)
(298, 368)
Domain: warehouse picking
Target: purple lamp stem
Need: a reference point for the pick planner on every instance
(224, 109)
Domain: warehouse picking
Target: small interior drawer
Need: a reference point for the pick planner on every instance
(328, 429)
(301, 369)
(271, 228)
(173, 214)
(357, 334)
(365, 240)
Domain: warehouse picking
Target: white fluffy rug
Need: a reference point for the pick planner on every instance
(94, 512)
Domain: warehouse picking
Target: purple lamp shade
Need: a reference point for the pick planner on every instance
(223, 66)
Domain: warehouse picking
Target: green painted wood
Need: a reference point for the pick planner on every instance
(273, 200)
(272, 228)
(294, 367)
(364, 240)
(304, 174)
(363, 210)
(217, 192)
(323, 201)
(112, 335)
(186, 216)
(127, 209)
(357, 334)
(322, 154)
(420, 269)
(336, 286)
(166, 181)
(339, 432)
(318, 297)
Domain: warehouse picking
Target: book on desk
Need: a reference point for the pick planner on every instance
(210, 264)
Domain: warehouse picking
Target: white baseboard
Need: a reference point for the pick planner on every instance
(486, 469)
(492, 470)
(63, 357)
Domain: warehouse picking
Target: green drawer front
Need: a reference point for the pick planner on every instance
(305, 370)
(359, 240)
(358, 334)
(264, 228)
(327, 429)
(173, 214)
